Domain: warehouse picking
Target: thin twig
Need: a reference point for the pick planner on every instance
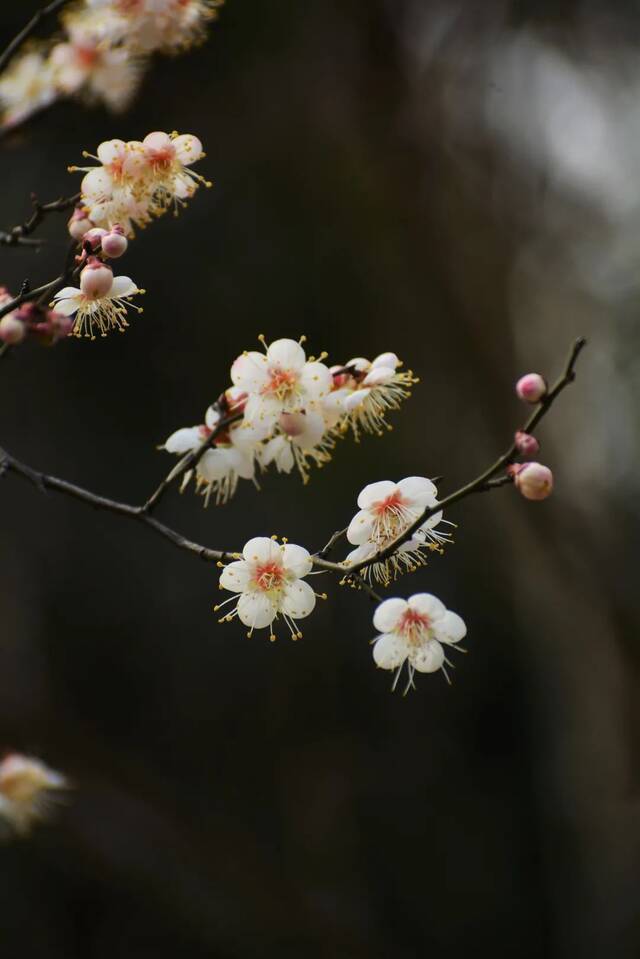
(21, 235)
(27, 30)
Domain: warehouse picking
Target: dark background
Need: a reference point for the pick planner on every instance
(454, 181)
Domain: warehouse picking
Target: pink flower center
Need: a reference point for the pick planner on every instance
(281, 383)
(269, 576)
(414, 626)
(393, 503)
(87, 56)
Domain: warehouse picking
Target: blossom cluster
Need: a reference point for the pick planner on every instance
(287, 410)
(103, 53)
(28, 789)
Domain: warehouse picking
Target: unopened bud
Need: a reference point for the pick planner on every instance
(96, 279)
(12, 330)
(79, 223)
(114, 243)
(534, 481)
(94, 237)
(526, 444)
(531, 387)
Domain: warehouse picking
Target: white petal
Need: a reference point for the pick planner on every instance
(376, 493)
(97, 185)
(298, 599)
(427, 658)
(122, 286)
(360, 527)
(69, 305)
(427, 605)
(433, 521)
(188, 148)
(240, 463)
(236, 576)
(360, 363)
(256, 610)
(389, 360)
(389, 613)
(249, 371)
(390, 651)
(286, 355)
(312, 430)
(111, 150)
(419, 490)
(261, 550)
(296, 560)
(212, 417)
(66, 292)
(316, 380)
(333, 408)
(450, 629)
(278, 451)
(262, 412)
(214, 465)
(360, 554)
(378, 377)
(355, 399)
(184, 440)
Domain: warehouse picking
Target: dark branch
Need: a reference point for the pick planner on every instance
(27, 30)
(21, 235)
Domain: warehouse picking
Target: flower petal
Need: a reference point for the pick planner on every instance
(122, 286)
(428, 658)
(427, 605)
(355, 399)
(236, 576)
(361, 527)
(419, 490)
(360, 554)
(376, 493)
(298, 599)
(390, 651)
(184, 440)
(261, 549)
(388, 614)
(389, 360)
(214, 465)
(188, 148)
(69, 304)
(296, 560)
(378, 376)
(256, 610)
(450, 628)
(278, 451)
(249, 371)
(286, 355)
(433, 521)
(316, 380)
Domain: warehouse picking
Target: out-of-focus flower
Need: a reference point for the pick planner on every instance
(26, 87)
(281, 380)
(269, 582)
(27, 789)
(416, 632)
(168, 26)
(386, 511)
(95, 309)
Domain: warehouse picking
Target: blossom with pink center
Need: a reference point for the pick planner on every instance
(26, 86)
(169, 157)
(387, 510)
(267, 583)
(416, 632)
(281, 380)
(167, 26)
(27, 789)
(301, 439)
(95, 309)
(365, 391)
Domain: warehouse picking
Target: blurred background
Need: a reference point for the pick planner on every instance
(457, 182)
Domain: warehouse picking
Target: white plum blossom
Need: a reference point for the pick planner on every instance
(26, 87)
(386, 511)
(281, 380)
(167, 26)
(101, 312)
(27, 789)
(267, 583)
(302, 437)
(416, 632)
(366, 391)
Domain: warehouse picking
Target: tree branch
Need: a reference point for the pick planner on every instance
(27, 30)
(21, 235)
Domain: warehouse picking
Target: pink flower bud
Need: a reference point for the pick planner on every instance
(96, 279)
(115, 243)
(53, 327)
(293, 424)
(94, 237)
(534, 481)
(526, 444)
(12, 330)
(79, 223)
(531, 387)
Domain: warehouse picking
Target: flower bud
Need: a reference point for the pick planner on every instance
(12, 330)
(526, 444)
(51, 328)
(531, 387)
(94, 237)
(96, 279)
(534, 481)
(79, 223)
(114, 243)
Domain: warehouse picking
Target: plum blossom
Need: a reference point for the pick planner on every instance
(281, 380)
(366, 391)
(387, 510)
(416, 632)
(169, 158)
(26, 87)
(27, 789)
(167, 26)
(101, 311)
(302, 437)
(268, 582)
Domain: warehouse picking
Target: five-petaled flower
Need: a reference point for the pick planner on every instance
(269, 582)
(415, 632)
(387, 510)
(104, 312)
